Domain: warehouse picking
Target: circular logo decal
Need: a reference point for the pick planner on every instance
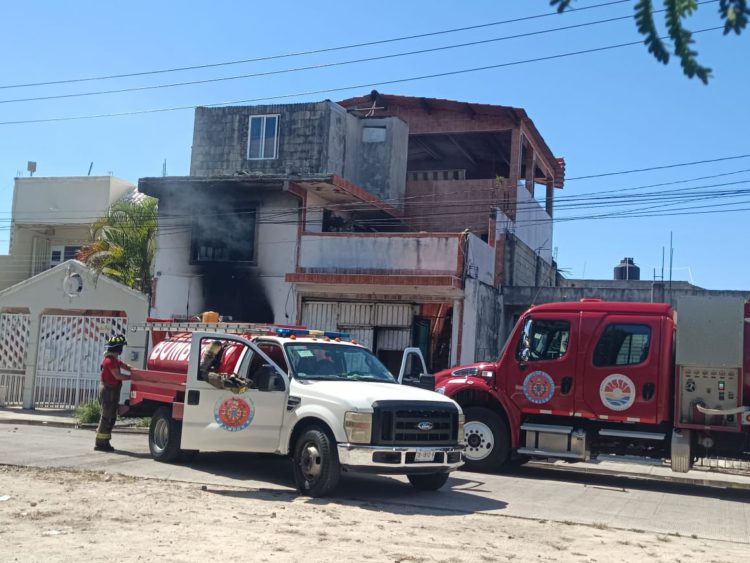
(538, 387)
(617, 392)
(234, 413)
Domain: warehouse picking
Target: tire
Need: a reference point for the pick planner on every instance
(164, 436)
(487, 440)
(316, 463)
(428, 482)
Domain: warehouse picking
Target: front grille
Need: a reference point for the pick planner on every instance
(398, 423)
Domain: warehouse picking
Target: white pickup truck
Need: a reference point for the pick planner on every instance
(324, 400)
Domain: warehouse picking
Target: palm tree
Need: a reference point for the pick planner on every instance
(124, 243)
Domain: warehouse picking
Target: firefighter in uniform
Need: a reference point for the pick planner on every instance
(114, 372)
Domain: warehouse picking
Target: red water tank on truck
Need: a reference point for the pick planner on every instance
(580, 379)
(318, 397)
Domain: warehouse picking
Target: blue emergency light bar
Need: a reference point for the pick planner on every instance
(285, 332)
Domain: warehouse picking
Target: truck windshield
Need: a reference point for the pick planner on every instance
(313, 360)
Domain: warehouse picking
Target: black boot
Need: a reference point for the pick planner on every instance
(103, 447)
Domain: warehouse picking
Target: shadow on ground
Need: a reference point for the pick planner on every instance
(383, 494)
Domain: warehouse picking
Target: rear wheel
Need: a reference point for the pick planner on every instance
(316, 463)
(487, 440)
(429, 482)
(164, 436)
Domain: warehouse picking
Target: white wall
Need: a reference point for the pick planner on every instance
(179, 290)
(54, 201)
(480, 262)
(346, 251)
(533, 226)
(469, 324)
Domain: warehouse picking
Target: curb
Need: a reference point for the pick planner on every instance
(676, 478)
(71, 425)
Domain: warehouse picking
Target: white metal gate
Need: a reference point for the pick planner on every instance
(14, 340)
(70, 354)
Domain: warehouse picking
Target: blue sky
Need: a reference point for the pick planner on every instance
(607, 111)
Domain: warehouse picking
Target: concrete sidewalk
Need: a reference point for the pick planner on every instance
(654, 469)
(58, 418)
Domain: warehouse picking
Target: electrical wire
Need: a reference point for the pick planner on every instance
(315, 67)
(343, 88)
(652, 168)
(316, 51)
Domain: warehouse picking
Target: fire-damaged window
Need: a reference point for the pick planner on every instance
(622, 345)
(263, 136)
(226, 237)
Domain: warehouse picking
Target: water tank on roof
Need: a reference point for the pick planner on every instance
(627, 270)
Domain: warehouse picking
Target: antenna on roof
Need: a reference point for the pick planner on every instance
(164, 168)
(31, 167)
(90, 167)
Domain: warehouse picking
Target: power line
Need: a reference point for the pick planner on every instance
(318, 66)
(182, 222)
(663, 167)
(598, 199)
(314, 51)
(343, 88)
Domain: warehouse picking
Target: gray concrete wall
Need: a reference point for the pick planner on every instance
(524, 267)
(486, 301)
(220, 140)
(383, 152)
(313, 138)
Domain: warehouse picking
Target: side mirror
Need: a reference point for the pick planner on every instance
(424, 381)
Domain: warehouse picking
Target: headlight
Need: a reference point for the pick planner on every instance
(461, 433)
(440, 390)
(358, 427)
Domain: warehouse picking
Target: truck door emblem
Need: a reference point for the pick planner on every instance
(617, 392)
(425, 425)
(538, 387)
(234, 413)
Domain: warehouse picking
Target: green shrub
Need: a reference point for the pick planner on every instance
(88, 412)
(144, 422)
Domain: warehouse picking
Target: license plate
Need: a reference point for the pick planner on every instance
(423, 456)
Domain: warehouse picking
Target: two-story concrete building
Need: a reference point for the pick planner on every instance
(55, 315)
(51, 219)
(395, 219)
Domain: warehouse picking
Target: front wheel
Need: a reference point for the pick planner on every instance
(316, 463)
(487, 440)
(429, 482)
(164, 435)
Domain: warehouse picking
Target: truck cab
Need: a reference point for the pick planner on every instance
(320, 398)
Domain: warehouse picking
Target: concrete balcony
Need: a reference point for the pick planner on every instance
(375, 262)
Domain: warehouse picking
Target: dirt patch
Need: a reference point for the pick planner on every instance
(62, 515)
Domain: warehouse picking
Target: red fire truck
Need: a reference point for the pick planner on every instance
(580, 379)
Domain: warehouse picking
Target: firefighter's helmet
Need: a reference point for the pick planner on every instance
(115, 342)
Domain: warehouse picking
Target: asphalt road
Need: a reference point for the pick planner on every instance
(529, 492)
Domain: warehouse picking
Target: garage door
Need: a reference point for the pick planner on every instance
(391, 320)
